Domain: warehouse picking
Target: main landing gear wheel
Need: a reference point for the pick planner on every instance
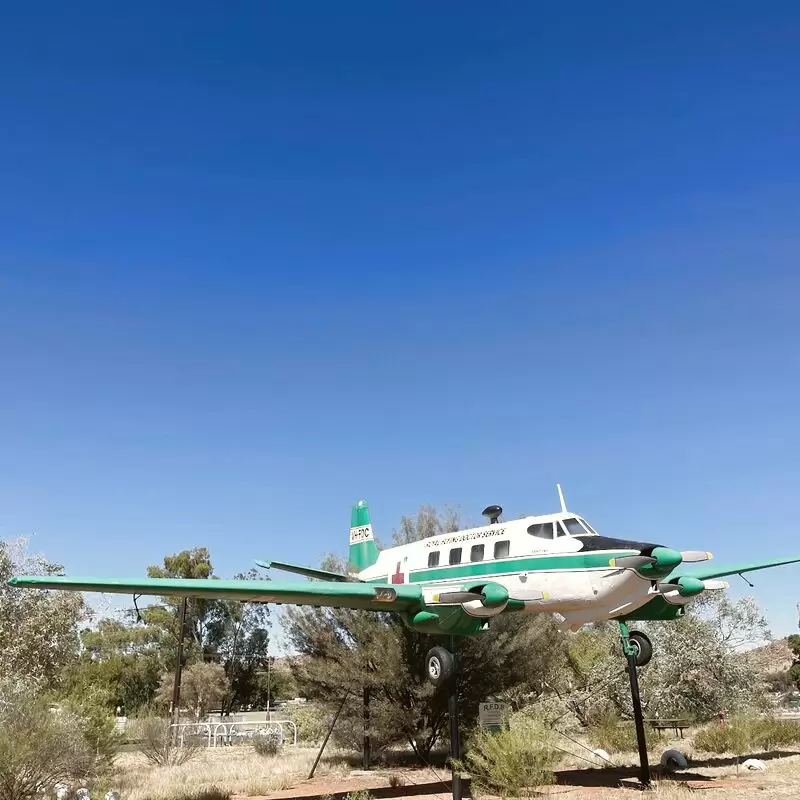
(439, 665)
(641, 643)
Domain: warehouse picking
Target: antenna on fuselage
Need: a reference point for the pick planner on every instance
(561, 498)
(493, 512)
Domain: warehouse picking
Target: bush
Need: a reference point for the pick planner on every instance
(312, 723)
(267, 744)
(157, 746)
(511, 762)
(615, 736)
(206, 793)
(744, 735)
(96, 725)
(39, 747)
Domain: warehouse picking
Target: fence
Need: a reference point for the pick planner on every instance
(228, 733)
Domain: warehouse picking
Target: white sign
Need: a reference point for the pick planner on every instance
(491, 715)
(361, 534)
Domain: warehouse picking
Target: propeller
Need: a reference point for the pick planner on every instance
(688, 586)
(693, 556)
(632, 562)
(459, 597)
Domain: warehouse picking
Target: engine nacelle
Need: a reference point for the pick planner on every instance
(493, 601)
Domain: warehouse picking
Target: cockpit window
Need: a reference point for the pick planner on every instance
(573, 527)
(542, 530)
(588, 527)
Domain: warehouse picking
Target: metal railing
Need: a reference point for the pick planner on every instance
(226, 733)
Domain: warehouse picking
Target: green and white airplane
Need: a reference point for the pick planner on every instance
(455, 583)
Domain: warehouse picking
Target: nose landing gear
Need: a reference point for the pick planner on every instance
(638, 650)
(641, 643)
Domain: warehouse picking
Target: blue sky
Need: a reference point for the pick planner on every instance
(258, 261)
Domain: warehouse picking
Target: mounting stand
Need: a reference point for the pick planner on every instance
(455, 739)
(630, 653)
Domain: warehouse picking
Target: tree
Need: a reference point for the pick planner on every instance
(201, 615)
(203, 688)
(38, 630)
(238, 634)
(123, 658)
(794, 670)
(346, 650)
(698, 669)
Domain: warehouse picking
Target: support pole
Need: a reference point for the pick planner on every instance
(455, 739)
(328, 735)
(365, 749)
(176, 686)
(630, 654)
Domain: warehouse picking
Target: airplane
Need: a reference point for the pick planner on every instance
(454, 584)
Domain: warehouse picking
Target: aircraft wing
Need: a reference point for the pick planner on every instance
(336, 594)
(708, 572)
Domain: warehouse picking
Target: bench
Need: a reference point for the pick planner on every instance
(677, 725)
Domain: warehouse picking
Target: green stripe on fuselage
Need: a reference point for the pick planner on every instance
(548, 562)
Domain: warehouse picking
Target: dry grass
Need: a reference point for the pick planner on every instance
(238, 770)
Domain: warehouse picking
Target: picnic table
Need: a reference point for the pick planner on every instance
(677, 725)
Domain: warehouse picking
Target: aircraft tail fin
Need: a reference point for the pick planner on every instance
(363, 550)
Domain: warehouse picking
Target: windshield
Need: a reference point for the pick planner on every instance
(574, 527)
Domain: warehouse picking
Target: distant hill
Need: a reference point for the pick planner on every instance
(773, 657)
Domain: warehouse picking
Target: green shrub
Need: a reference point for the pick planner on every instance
(743, 735)
(312, 723)
(511, 762)
(39, 746)
(615, 736)
(96, 725)
(156, 743)
(267, 744)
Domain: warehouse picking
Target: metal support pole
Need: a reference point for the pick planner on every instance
(176, 686)
(630, 654)
(455, 739)
(365, 749)
(328, 735)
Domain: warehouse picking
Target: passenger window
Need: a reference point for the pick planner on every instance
(433, 559)
(476, 554)
(542, 530)
(455, 555)
(501, 549)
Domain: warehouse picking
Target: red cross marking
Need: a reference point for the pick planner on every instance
(398, 576)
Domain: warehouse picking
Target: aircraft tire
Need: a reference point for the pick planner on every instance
(643, 646)
(439, 666)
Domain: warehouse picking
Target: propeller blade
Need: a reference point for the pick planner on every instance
(716, 584)
(631, 562)
(459, 597)
(665, 588)
(693, 556)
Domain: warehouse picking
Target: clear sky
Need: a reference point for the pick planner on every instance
(260, 260)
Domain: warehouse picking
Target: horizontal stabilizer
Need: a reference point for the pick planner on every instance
(317, 574)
